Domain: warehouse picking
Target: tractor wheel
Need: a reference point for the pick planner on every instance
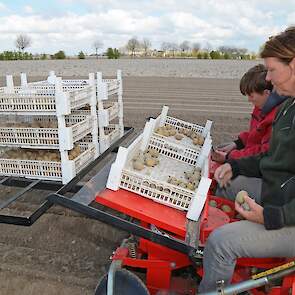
(126, 283)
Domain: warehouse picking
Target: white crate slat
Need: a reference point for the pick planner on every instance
(199, 200)
(112, 85)
(112, 133)
(111, 108)
(26, 103)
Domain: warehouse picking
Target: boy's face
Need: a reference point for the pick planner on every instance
(258, 99)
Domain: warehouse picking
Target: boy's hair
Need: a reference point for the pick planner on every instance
(254, 81)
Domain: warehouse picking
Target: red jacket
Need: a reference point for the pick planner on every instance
(256, 140)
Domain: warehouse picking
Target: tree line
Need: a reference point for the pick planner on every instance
(136, 48)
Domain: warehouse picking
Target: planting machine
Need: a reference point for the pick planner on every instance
(163, 254)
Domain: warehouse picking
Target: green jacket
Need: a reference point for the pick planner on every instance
(276, 167)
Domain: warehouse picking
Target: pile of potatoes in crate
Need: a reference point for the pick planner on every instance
(39, 155)
(106, 105)
(169, 130)
(191, 179)
(148, 158)
(32, 124)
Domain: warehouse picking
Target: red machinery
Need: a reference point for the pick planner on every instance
(163, 266)
(158, 248)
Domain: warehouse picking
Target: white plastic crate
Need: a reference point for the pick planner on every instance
(111, 86)
(183, 149)
(48, 169)
(153, 183)
(78, 126)
(43, 100)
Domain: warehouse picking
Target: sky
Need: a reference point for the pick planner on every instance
(73, 26)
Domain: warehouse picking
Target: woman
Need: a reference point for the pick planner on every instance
(269, 228)
(256, 139)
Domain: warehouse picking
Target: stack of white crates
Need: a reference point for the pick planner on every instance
(45, 132)
(109, 106)
(175, 159)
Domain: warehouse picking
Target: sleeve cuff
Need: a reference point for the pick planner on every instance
(273, 217)
(239, 143)
(234, 166)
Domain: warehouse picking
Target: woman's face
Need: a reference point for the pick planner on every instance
(281, 75)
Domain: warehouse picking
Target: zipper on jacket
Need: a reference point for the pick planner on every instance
(287, 109)
(287, 181)
(285, 128)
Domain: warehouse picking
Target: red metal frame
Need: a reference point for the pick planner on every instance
(159, 261)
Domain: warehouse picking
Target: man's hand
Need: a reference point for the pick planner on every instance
(218, 156)
(226, 147)
(223, 174)
(256, 211)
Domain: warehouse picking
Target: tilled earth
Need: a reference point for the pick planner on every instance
(66, 253)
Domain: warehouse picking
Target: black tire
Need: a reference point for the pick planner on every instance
(126, 283)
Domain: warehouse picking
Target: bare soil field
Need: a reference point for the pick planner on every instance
(66, 253)
(137, 67)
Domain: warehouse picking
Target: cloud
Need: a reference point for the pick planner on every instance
(2, 7)
(291, 19)
(219, 22)
(28, 9)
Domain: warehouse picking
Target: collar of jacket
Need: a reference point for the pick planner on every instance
(273, 100)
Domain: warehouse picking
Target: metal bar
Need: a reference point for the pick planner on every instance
(115, 265)
(251, 284)
(42, 185)
(16, 220)
(40, 211)
(95, 185)
(127, 226)
(4, 179)
(19, 194)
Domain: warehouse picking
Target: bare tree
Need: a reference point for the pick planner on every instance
(173, 47)
(165, 46)
(169, 46)
(22, 41)
(132, 45)
(97, 44)
(227, 49)
(242, 51)
(234, 51)
(146, 45)
(184, 46)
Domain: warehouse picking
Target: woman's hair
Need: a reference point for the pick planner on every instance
(254, 81)
(281, 46)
